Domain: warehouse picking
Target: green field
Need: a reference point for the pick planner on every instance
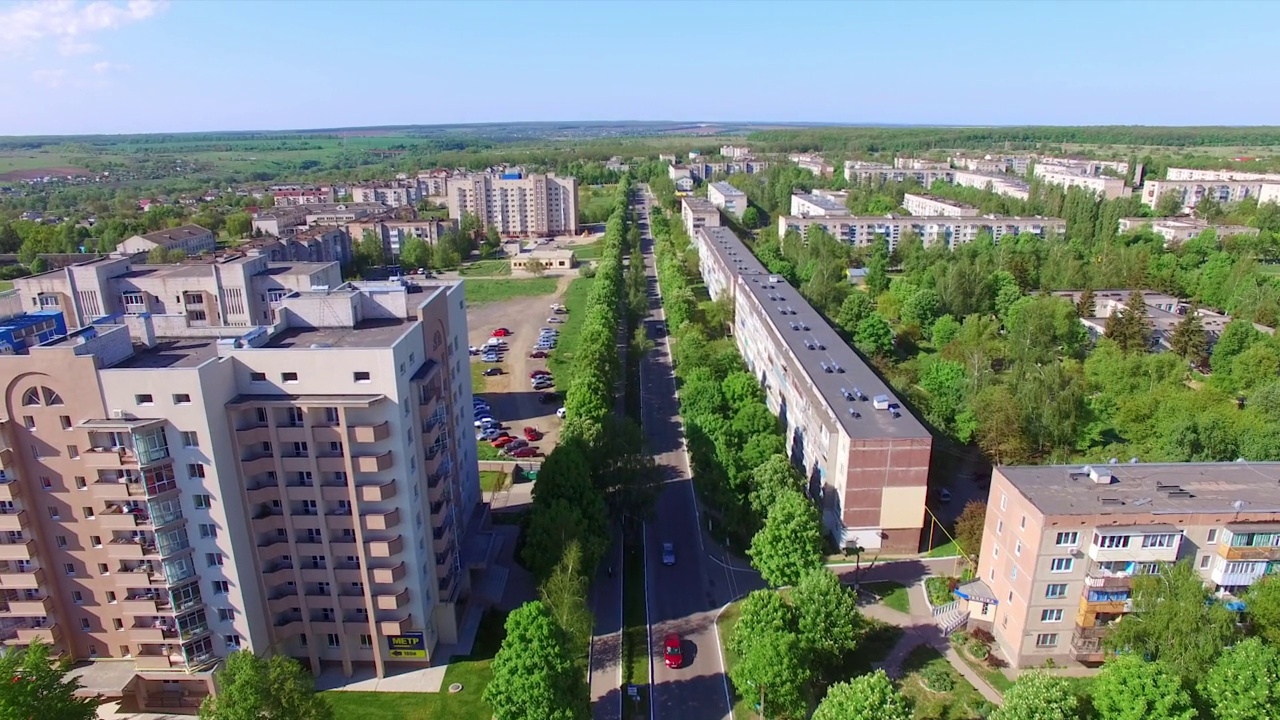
(493, 480)
(6, 285)
(487, 291)
(575, 298)
(473, 672)
(961, 702)
(592, 251)
(893, 595)
(485, 267)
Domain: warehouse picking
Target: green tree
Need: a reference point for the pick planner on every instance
(1236, 337)
(1087, 305)
(1128, 328)
(856, 307)
(1037, 696)
(1244, 684)
(877, 279)
(866, 697)
(773, 673)
(1262, 603)
(946, 385)
(565, 596)
(763, 613)
(771, 480)
(491, 242)
(36, 686)
(874, 336)
(1130, 688)
(1175, 620)
(1188, 339)
(415, 253)
(828, 618)
(969, 526)
(536, 268)
(999, 429)
(790, 543)
(1169, 204)
(274, 688)
(534, 673)
(944, 330)
(239, 224)
(369, 252)
(165, 256)
(751, 218)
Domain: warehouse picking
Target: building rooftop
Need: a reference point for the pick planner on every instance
(173, 353)
(937, 199)
(1156, 488)
(699, 205)
(368, 334)
(825, 202)
(725, 188)
(834, 368)
(173, 236)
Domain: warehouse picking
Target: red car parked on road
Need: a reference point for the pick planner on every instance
(671, 651)
(531, 434)
(501, 332)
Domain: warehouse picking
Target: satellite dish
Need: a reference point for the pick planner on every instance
(1238, 505)
(1113, 461)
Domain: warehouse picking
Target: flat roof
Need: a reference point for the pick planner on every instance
(173, 353)
(699, 205)
(935, 198)
(816, 346)
(824, 202)
(368, 334)
(724, 188)
(1173, 488)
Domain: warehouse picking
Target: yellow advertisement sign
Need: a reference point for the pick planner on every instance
(409, 646)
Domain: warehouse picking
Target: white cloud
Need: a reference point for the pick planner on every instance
(69, 23)
(103, 67)
(50, 77)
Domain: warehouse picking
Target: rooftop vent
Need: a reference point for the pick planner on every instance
(837, 367)
(795, 326)
(1110, 501)
(810, 346)
(895, 413)
(854, 413)
(858, 392)
(847, 395)
(773, 278)
(825, 367)
(803, 325)
(881, 402)
(1101, 477)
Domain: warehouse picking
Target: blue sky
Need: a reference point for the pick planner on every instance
(113, 66)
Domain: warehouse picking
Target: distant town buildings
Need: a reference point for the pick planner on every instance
(1017, 164)
(867, 456)
(1177, 230)
(1063, 545)
(932, 206)
(813, 163)
(728, 198)
(1006, 185)
(302, 196)
(1190, 192)
(393, 196)
(394, 231)
(517, 204)
(1188, 174)
(820, 203)
(1163, 313)
(734, 152)
(863, 230)
(1106, 186)
(190, 239)
(861, 171)
(281, 222)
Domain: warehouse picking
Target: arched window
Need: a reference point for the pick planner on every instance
(31, 398)
(50, 397)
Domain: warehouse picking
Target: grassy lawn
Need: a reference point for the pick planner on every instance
(948, 696)
(486, 291)
(493, 480)
(6, 285)
(473, 672)
(485, 451)
(575, 298)
(479, 383)
(635, 639)
(893, 595)
(950, 549)
(594, 250)
(486, 267)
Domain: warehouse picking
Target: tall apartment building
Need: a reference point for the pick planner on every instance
(815, 164)
(1006, 185)
(320, 244)
(991, 164)
(190, 239)
(435, 183)
(1069, 176)
(728, 198)
(529, 205)
(1220, 175)
(860, 171)
(1062, 545)
(703, 171)
(1224, 191)
(933, 206)
(696, 212)
(391, 195)
(306, 487)
(394, 231)
(863, 230)
(867, 455)
(907, 163)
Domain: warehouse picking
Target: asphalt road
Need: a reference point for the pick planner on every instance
(682, 598)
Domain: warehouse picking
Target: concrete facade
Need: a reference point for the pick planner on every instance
(933, 206)
(191, 239)
(534, 205)
(866, 458)
(728, 198)
(696, 212)
(861, 231)
(1068, 177)
(1177, 230)
(860, 171)
(1006, 185)
(1190, 192)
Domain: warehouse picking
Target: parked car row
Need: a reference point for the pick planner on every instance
(490, 430)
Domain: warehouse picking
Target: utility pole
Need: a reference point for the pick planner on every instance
(762, 715)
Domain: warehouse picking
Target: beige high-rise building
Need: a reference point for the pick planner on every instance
(307, 486)
(532, 205)
(1062, 545)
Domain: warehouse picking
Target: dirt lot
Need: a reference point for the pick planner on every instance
(514, 402)
(35, 173)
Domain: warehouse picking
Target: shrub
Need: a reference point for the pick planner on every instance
(980, 651)
(959, 638)
(995, 663)
(1049, 663)
(983, 636)
(937, 677)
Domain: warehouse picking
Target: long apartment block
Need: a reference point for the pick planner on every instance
(844, 426)
(1007, 185)
(1191, 192)
(1066, 176)
(933, 206)
(861, 171)
(517, 205)
(171, 492)
(1063, 544)
(863, 230)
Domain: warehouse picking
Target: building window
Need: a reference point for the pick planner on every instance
(995, 551)
(73, 451)
(144, 399)
(1204, 562)
(77, 597)
(257, 377)
(95, 540)
(1013, 572)
(1213, 536)
(999, 527)
(1053, 591)
(1047, 640)
(190, 439)
(331, 415)
(213, 559)
(1004, 501)
(1051, 615)
(366, 642)
(1061, 565)
(232, 641)
(334, 640)
(117, 623)
(208, 530)
(111, 597)
(66, 421)
(29, 422)
(53, 513)
(1111, 542)
(1067, 539)
(289, 377)
(1017, 548)
(202, 502)
(226, 615)
(195, 471)
(61, 540)
(181, 399)
(221, 587)
(1022, 525)
(69, 568)
(1159, 541)
(84, 624)
(360, 376)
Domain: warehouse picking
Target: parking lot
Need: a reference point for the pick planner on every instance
(515, 404)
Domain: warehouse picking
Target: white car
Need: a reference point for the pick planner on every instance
(488, 434)
(555, 320)
(560, 413)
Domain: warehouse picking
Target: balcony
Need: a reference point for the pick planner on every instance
(10, 488)
(1099, 578)
(373, 463)
(371, 433)
(325, 434)
(1103, 607)
(48, 635)
(381, 520)
(116, 490)
(386, 601)
(142, 605)
(152, 635)
(128, 549)
(292, 434)
(22, 580)
(118, 519)
(108, 458)
(1135, 552)
(141, 577)
(1087, 650)
(23, 550)
(396, 627)
(151, 661)
(1235, 553)
(12, 519)
(262, 493)
(253, 435)
(257, 463)
(28, 608)
(312, 574)
(1237, 573)
(378, 492)
(386, 576)
(385, 548)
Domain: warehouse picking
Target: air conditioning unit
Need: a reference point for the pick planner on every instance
(1077, 552)
(117, 414)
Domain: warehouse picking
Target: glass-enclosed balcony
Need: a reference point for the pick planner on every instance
(1250, 542)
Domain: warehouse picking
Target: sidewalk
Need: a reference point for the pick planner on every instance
(920, 629)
